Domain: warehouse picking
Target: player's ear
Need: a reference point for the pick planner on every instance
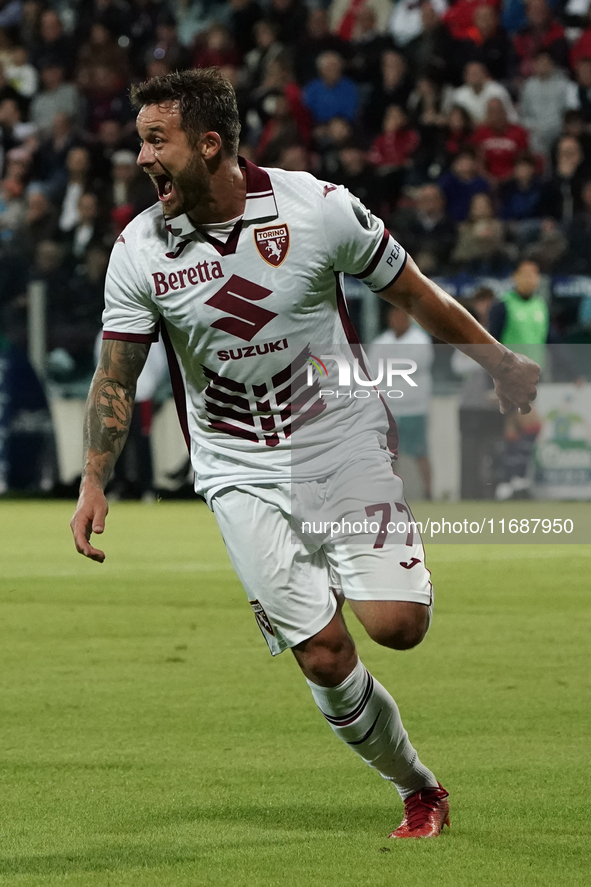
(210, 145)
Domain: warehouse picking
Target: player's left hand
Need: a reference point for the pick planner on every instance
(516, 378)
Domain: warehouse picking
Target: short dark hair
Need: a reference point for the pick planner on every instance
(207, 101)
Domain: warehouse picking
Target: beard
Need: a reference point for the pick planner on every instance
(192, 189)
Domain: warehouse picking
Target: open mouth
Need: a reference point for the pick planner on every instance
(164, 187)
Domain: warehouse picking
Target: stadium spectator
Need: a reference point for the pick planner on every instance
(12, 209)
(356, 174)
(578, 235)
(278, 80)
(129, 188)
(459, 18)
(424, 106)
(280, 131)
(20, 73)
(100, 50)
(167, 47)
(561, 194)
(367, 46)
(543, 102)
(499, 141)
(477, 91)
(461, 183)
(456, 133)
(49, 267)
(295, 158)
(11, 13)
(15, 132)
(407, 21)
(487, 42)
(581, 48)
(404, 338)
(317, 40)
(429, 53)
(543, 31)
(289, 17)
(338, 133)
(78, 169)
(331, 94)
(426, 229)
(110, 138)
(579, 93)
(573, 125)
(394, 148)
(7, 90)
(116, 15)
(521, 316)
(55, 97)
(343, 15)
(106, 99)
(77, 316)
(244, 14)
(39, 223)
(89, 227)
(520, 200)
(215, 48)
(52, 46)
(49, 161)
(482, 244)
(266, 50)
(393, 88)
(481, 424)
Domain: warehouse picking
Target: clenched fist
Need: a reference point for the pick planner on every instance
(516, 378)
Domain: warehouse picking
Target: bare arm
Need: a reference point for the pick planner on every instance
(515, 375)
(106, 426)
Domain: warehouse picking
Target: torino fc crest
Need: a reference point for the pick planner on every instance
(272, 243)
(261, 617)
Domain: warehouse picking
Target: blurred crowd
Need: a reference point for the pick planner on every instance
(465, 125)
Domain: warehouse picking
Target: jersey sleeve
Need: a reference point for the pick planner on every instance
(130, 314)
(359, 243)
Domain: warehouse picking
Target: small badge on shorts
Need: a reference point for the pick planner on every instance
(261, 617)
(272, 243)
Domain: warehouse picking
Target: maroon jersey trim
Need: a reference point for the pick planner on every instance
(139, 338)
(378, 255)
(229, 247)
(178, 386)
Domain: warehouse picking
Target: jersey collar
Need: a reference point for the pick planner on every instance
(260, 201)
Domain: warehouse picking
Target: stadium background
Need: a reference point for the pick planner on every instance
(465, 126)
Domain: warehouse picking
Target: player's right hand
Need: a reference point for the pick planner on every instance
(88, 518)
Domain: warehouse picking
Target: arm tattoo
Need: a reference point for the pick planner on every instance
(110, 405)
(113, 405)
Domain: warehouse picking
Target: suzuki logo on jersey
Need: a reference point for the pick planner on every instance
(235, 298)
(272, 243)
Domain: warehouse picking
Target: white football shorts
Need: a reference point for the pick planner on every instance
(298, 547)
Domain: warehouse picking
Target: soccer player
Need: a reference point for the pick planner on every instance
(236, 267)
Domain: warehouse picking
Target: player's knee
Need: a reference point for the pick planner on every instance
(402, 634)
(329, 667)
(327, 663)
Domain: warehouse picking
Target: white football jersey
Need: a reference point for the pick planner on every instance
(240, 318)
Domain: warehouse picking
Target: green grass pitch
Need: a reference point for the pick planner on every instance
(148, 738)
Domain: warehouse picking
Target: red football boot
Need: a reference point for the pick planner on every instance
(425, 814)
